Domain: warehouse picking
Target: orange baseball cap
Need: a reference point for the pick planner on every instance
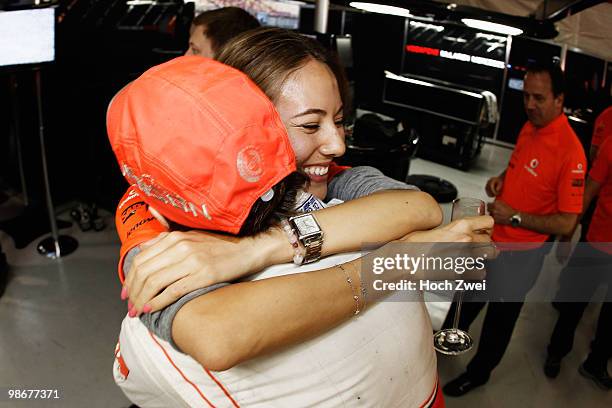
(200, 141)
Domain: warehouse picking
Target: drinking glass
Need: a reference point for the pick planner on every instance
(454, 341)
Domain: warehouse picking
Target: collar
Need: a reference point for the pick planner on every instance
(552, 128)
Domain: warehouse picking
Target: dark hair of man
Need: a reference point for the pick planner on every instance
(264, 215)
(554, 71)
(223, 24)
(269, 55)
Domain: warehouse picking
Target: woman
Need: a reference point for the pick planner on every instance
(224, 328)
(312, 111)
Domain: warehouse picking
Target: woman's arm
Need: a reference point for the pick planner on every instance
(245, 320)
(184, 261)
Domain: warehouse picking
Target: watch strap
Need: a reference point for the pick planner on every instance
(312, 243)
(313, 246)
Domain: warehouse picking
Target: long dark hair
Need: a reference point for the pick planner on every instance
(264, 215)
(269, 55)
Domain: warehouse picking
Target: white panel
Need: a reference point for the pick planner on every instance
(27, 36)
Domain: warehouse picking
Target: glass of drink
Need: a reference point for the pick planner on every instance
(454, 341)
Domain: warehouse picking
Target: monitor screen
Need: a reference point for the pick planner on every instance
(516, 84)
(27, 36)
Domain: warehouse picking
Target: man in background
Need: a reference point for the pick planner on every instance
(538, 195)
(589, 267)
(601, 131)
(210, 30)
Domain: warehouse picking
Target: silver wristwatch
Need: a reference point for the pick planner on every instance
(309, 234)
(516, 220)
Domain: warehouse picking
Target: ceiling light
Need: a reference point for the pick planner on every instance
(489, 26)
(380, 8)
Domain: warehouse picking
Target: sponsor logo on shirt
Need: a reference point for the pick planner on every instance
(307, 202)
(533, 164)
(577, 182)
(132, 194)
(138, 225)
(131, 210)
(579, 169)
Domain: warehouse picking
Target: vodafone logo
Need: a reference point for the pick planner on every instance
(250, 164)
(579, 169)
(532, 166)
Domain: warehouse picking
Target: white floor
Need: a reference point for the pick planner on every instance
(59, 322)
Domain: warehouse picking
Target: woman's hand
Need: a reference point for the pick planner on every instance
(468, 237)
(178, 263)
(471, 229)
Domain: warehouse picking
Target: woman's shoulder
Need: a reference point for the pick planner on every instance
(362, 181)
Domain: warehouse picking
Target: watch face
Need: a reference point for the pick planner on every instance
(515, 221)
(306, 225)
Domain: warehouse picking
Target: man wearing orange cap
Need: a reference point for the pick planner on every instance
(539, 195)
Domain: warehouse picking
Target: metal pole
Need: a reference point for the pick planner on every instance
(402, 68)
(41, 134)
(563, 56)
(55, 246)
(502, 94)
(321, 14)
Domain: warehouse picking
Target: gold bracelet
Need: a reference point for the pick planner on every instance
(355, 293)
(363, 297)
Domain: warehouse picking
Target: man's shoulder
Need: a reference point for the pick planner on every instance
(568, 141)
(606, 115)
(606, 149)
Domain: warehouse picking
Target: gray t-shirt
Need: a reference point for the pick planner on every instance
(362, 181)
(352, 183)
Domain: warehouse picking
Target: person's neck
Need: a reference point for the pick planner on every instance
(549, 122)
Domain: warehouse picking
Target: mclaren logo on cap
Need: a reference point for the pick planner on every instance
(147, 185)
(250, 164)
